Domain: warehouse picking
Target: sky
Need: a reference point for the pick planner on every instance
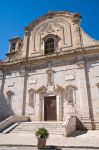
(16, 14)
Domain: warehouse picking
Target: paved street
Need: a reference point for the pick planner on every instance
(80, 140)
(35, 148)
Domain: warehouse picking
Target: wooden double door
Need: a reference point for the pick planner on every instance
(50, 113)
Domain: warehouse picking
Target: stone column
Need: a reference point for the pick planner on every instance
(59, 107)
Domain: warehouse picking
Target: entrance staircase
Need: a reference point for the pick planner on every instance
(21, 124)
(31, 127)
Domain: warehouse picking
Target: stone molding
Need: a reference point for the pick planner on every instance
(71, 86)
(67, 54)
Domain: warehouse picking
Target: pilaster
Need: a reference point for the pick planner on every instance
(59, 107)
(83, 90)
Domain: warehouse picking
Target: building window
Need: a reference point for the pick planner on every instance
(31, 98)
(49, 46)
(13, 45)
(10, 97)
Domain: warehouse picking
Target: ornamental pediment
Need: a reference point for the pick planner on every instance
(50, 89)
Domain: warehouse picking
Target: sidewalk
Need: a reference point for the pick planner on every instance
(79, 139)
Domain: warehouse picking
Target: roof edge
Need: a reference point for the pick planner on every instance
(51, 14)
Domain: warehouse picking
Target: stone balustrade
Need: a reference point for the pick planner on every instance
(12, 119)
(69, 125)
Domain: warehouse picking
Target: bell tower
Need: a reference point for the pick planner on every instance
(14, 45)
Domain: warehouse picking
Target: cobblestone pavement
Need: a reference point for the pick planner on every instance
(48, 148)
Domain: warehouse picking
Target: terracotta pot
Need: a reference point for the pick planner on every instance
(41, 142)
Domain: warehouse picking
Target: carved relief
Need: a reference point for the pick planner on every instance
(41, 90)
(59, 88)
(50, 89)
(70, 94)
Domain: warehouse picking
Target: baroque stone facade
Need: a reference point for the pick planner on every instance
(53, 72)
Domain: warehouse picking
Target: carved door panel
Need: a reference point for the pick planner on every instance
(50, 108)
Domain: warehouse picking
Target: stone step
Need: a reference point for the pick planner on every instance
(31, 127)
(36, 129)
(41, 123)
(26, 132)
(39, 127)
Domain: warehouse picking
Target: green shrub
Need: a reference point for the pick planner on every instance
(42, 133)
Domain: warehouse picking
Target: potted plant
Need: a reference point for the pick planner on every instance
(42, 134)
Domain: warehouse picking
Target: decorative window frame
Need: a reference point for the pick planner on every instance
(56, 40)
(31, 99)
(10, 97)
(73, 88)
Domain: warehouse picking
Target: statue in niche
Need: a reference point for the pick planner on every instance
(50, 76)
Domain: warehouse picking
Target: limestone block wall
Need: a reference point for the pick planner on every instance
(36, 79)
(82, 75)
(93, 84)
(13, 83)
(66, 73)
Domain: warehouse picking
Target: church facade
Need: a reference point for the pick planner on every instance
(53, 72)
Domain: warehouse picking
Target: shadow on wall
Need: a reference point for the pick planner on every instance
(53, 148)
(80, 125)
(5, 109)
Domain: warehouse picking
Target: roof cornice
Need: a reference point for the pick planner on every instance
(50, 15)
